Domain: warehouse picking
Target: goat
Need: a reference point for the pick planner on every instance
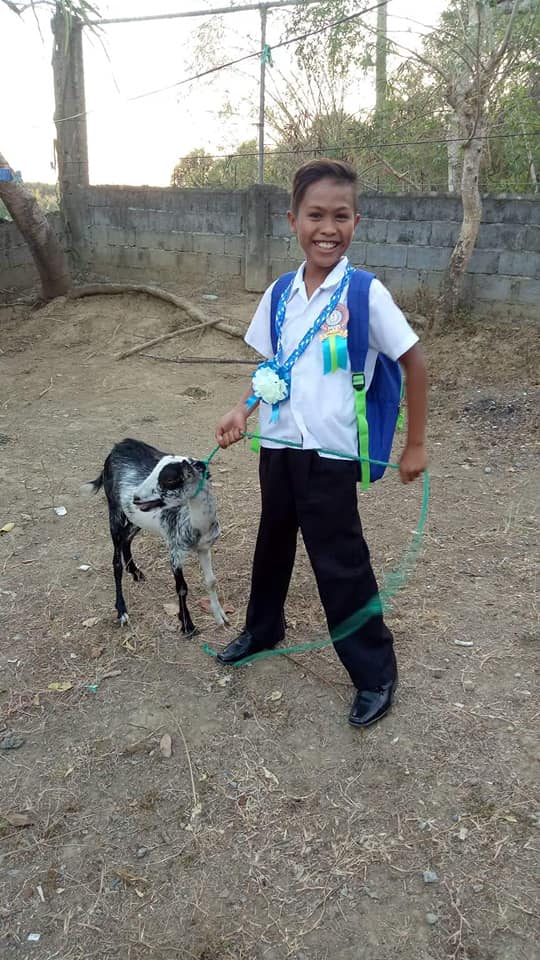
(168, 495)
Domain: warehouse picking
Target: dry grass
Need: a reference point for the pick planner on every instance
(274, 831)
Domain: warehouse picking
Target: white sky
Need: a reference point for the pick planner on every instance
(139, 142)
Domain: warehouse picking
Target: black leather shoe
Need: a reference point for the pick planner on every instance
(244, 645)
(370, 705)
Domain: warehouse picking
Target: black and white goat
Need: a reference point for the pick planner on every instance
(151, 490)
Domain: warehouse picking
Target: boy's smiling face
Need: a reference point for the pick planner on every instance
(325, 222)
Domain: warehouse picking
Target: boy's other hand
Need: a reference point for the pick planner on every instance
(231, 427)
(413, 462)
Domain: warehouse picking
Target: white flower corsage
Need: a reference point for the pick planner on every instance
(268, 385)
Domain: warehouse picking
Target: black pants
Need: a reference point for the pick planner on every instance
(301, 490)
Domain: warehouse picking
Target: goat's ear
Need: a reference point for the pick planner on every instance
(171, 476)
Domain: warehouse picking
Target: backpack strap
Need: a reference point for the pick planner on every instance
(358, 343)
(280, 285)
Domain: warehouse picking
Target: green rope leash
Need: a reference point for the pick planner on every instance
(392, 582)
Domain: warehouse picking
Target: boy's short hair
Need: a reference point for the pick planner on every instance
(315, 170)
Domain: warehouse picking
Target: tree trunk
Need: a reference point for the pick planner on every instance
(472, 214)
(48, 254)
(453, 146)
(381, 80)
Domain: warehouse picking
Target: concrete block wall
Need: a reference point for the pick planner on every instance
(407, 241)
(149, 234)
(17, 269)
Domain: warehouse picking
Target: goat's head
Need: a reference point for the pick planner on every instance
(171, 485)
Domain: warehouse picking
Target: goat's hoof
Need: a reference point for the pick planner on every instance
(188, 634)
(123, 620)
(138, 576)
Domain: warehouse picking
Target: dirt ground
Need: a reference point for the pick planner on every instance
(274, 830)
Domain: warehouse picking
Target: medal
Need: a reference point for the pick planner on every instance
(333, 337)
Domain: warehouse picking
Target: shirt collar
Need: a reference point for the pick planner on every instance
(332, 280)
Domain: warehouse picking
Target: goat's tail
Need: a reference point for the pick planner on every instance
(93, 486)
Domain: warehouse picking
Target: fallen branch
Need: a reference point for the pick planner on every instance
(150, 356)
(109, 289)
(165, 336)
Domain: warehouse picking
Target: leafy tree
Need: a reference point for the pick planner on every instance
(193, 170)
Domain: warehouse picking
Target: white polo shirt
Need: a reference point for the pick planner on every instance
(319, 411)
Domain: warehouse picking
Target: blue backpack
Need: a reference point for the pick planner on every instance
(378, 408)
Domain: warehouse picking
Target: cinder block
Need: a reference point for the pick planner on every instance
(429, 281)
(411, 283)
(520, 264)
(208, 243)
(484, 261)
(529, 292)
(444, 233)
(193, 264)
(278, 200)
(18, 278)
(428, 258)
(492, 288)
(120, 237)
(122, 256)
(360, 234)
(374, 231)
(225, 266)
(386, 255)
(279, 226)
(404, 231)
(145, 239)
(235, 246)
(500, 236)
(393, 279)
(279, 267)
(140, 219)
(162, 260)
(530, 239)
(100, 216)
(280, 248)
(511, 210)
(357, 254)
(161, 222)
(18, 256)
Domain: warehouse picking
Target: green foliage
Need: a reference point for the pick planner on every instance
(200, 169)
(405, 149)
(45, 193)
(350, 43)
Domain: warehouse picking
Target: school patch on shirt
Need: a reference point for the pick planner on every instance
(333, 337)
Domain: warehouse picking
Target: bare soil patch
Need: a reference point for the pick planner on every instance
(274, 830)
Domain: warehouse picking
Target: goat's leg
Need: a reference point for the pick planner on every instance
(117, 526)
(205, 560)
(120, 604)
(183, 613)
(128, 536)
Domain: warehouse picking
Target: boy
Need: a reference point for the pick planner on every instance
(301, 489)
